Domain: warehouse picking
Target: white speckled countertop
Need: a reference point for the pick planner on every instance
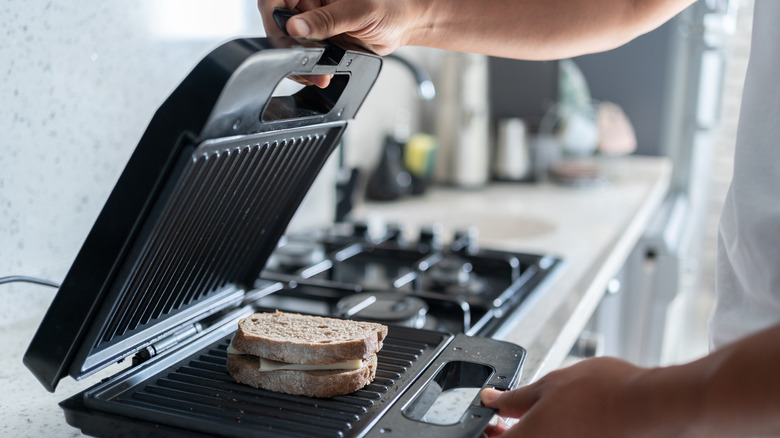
(594, 229)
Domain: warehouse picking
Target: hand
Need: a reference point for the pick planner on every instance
(380, 26)
(591, 398)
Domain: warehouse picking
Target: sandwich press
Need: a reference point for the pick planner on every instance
(171, 262)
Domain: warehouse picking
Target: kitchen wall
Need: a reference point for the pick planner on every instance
(79, 81)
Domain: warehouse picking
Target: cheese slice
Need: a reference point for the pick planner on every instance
(272, 365)
(232, 350)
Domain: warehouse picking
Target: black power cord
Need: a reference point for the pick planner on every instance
(24, 279)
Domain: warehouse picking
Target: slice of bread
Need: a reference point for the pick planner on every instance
(294, 338)
(324, 384)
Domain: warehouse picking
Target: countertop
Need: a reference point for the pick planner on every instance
(593, 229)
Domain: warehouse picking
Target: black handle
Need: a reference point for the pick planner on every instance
(281, 16)
(246, 104)
(466, 362)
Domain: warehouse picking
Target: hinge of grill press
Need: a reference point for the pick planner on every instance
(166, 343)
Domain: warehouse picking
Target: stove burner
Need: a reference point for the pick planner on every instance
(451, 271)
(386, 307)
(475, 287)
(296, 254)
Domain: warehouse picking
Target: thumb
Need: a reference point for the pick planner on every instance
(326, 22)
(512, 403)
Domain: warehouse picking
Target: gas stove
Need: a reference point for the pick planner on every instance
(351, 271)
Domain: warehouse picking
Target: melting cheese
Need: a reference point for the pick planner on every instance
(272, 365)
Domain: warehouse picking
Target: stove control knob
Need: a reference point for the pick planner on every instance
(394, 233)
(466, 240)
(430, 238)
(360, 230)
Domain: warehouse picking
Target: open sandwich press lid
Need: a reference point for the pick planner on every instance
(202, 202)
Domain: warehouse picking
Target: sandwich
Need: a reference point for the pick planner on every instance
(304, 355)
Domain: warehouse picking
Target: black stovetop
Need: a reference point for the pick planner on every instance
(350, 271)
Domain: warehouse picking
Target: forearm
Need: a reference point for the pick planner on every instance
(743, 385)
(533, 29)
(732, 392)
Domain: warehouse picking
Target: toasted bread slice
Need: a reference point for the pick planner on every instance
(294, 338)
(320, 383)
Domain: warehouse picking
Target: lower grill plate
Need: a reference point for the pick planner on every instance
(197, 394)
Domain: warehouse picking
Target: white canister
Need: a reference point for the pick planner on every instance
(512, 159)
(463, 121)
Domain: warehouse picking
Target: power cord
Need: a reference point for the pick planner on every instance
(24, 279)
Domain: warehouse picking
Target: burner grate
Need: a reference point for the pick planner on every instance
(199, 394)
